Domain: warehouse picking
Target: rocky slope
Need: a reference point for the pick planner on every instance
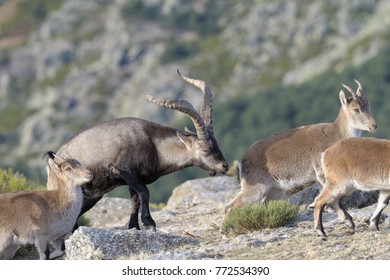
(188, 228)
(87, 61)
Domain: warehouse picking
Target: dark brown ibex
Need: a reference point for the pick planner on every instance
(41, 217)
(137, 152)
(292, 158)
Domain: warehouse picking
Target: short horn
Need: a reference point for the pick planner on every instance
(359, 91)
(350, 90)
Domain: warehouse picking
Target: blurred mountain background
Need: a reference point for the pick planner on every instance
(68, 64)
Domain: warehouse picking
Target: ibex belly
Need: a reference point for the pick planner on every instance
(292, 181)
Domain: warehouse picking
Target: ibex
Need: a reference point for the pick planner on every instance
(137, 152)
(350, 164)
(41, 217)
(292, 158)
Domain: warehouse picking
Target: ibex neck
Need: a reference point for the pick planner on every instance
(64, 198)
(172, 154)
(345, 126)
(70, 192)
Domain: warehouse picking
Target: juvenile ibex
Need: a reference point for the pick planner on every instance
(350, 164)
(41, 217)
(137, 152)
(291, 158)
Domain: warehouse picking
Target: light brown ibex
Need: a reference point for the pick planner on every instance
(291, 158)
(41, 217)
(349, 165)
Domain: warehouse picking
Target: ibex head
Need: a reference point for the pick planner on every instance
(68, 170)
(357, 109)
(202, 145)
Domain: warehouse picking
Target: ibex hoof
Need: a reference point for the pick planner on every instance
(56, 254)
(322, 234)
(310, 206)
(153, 228)
(374, 226)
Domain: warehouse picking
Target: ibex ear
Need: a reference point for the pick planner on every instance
(343, 99)
(54, 166)
(185, 139)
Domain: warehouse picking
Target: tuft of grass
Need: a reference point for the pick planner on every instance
(157, 206)
(13, 182)
(275, 213)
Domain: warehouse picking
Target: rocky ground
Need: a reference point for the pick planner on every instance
(195, 212)
(188, 228)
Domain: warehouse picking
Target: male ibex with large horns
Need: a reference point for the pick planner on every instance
(137, 152)
(291, 158)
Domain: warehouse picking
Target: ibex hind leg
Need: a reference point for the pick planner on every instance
(235, 203)
(134, 205)
(320, 202)
(59, 248)
(7, 246)
(42, 245)
(137, 187)
(249, 195)
(383, 201)
(343, 214)
(9, 252)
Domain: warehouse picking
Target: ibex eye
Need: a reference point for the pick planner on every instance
(68, 169)
(357, 110)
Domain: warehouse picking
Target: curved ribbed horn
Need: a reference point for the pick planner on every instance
(186, 108)
(206, 109)
(359, 91)
(350, 90)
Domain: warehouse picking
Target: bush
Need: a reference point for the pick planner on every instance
(252, 217)
(13, 182)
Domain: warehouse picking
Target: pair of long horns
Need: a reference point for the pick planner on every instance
(359, 91)
(203, 122)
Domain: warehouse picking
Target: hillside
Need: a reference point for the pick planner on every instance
(272, 65)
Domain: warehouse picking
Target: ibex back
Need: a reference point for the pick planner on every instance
(291, 158)
(137, 152)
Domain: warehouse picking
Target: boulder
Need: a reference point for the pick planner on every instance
(192, 214)
(88, 243)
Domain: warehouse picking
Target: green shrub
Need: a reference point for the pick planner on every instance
(13, 182)
(83, 221)
(252, 217)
